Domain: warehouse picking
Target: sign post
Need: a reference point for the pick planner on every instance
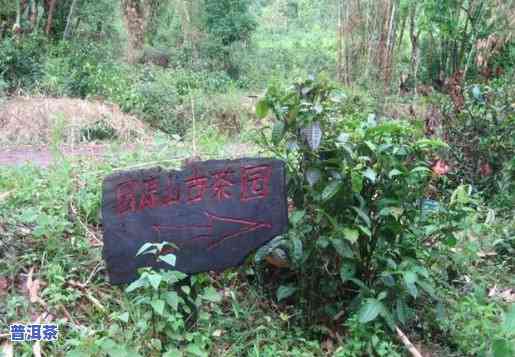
(214, 212)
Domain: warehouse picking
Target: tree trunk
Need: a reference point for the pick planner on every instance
(137, 16)
(477, 16)
(17, 24)
(414, 35)
(339, 43)
(390, 45)
(347, 44)
(134, 19)
(403, 28)
(68, 29)
(50, 16)
(190, 11)
(33, 14)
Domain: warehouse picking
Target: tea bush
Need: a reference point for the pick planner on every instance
(357, 183)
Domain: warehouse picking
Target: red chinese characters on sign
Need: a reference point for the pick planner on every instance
(149, 196)
(255, 182)
(222, 184)
(126, 197)
(172, 192)
(196, 186)
(155, 192)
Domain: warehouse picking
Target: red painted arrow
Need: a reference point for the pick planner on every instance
(247, 226)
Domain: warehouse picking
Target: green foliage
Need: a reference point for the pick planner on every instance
(285, 56)
(20, 62)
(376, 239)
(171, 304)
(156, 101)
(505, 242)
(158, 96)
(100, 130)
(81, 70)
(366, 340)
(357, 183)
(482, 137)
(228, 21)
(186, 81)
(479, 327)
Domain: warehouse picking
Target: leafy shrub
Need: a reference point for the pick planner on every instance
(357, 185)
(164, 98)
(482, 135)
(159, 97)
(21, 61)
(82, 69)
(227, 22)
(481, 328)
(505, 242)
(155, 100)
(366, 340)
(161, 312)
(100, 130)
(169, 304)
(186, 80)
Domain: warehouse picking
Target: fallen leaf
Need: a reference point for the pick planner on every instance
(32, 287)
(7, 349)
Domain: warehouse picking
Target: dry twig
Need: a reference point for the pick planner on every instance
(404, 339)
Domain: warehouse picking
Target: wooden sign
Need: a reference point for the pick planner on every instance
(214, 212)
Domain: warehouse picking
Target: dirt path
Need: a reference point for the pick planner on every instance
(43, 156)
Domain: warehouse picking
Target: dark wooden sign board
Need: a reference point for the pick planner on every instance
(215, 213)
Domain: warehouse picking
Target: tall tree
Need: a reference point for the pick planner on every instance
(136, 16)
